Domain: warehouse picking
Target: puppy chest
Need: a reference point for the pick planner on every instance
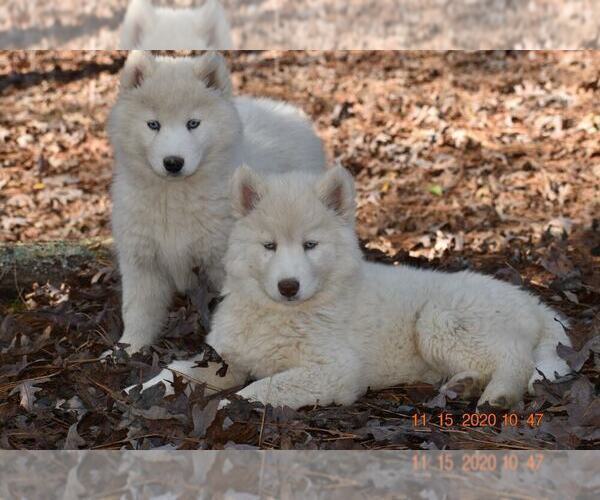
(185, 246)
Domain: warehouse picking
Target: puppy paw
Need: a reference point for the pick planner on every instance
(536, 377)
(498, 399)
(466, 384)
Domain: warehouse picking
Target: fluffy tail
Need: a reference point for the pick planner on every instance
(545, 356)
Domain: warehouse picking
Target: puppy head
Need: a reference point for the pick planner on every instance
(294, 238)
(174, 116)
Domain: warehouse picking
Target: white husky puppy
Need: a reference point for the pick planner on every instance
(178, 136)
(148, 27)
(307, 318)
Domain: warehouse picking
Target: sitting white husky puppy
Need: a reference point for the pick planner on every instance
(178, 136)
(148, 27)
(312, 322)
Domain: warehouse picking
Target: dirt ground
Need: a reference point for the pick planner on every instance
(326, 24)
(489, 161)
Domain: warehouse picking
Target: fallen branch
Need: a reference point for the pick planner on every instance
(23, 264)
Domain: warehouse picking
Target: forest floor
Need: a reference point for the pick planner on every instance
(487, 161)
(325, 24)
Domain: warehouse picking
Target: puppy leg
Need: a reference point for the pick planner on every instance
(306, 386)
(147, 294)
(467, 384)
(449, 342)
(508, 383)
(462, 343)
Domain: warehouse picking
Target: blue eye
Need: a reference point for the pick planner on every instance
(271, 245)
(309, 245)
(192, 124)
(153, 125)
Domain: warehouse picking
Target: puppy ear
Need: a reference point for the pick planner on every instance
(247, 188)
(139, 19)
(213, 25)
(336, 191)
(211, 68)
(139, 65)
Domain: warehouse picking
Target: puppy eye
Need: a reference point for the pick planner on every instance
(192, 124)
(271, 245)
(153, 125)
(310, 244)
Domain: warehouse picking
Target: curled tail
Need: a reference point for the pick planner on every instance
(545, 356)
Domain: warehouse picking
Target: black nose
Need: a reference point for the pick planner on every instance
(173, 164)
(288, 287)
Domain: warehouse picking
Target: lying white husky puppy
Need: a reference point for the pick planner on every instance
(178, 136)
(148, 27)
(312, 322)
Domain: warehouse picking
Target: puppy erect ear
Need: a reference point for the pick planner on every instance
(138, 67)
(213, 26)
(247, 188)
(211, 68)
(139, 19)
(336, 191)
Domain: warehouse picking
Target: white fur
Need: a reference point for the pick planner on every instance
(357, 324)
(163, 28)
(164, 226)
